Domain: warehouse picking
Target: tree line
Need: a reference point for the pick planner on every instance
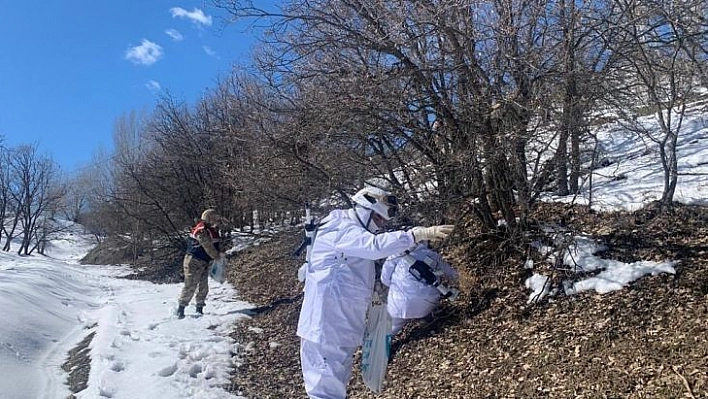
(31, 196)
(461, 107)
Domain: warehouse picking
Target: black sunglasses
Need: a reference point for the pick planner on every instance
(391, 203)
(389, 200)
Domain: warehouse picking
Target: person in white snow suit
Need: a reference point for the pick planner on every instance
(203, 247)
(408, 297)
(339, 284)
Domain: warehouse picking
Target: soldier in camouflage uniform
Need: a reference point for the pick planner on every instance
(203, 247)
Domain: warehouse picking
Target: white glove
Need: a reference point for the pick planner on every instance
(432, 233)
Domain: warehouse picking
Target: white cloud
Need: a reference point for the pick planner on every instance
(210, 52)
(174, 34)
(147, 53)
(197, 16)
(153, 86)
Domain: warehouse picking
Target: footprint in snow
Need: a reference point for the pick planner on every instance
(117, 367)
(168, 371)
(195, 370)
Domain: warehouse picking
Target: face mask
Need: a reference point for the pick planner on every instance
(377, 222)
(367, 221)
(373, 227)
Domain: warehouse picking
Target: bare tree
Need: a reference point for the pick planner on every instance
(367, 79)
(48, 226)
(663, 49)
(78, 191)
(384, 72)
(33, 176)
(4, 187)
(100, 218)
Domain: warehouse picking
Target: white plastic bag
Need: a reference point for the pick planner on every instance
(302, 272)
(376, 347)
(218, 270)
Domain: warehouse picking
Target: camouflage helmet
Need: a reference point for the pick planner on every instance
(210, 216)
(378, 200)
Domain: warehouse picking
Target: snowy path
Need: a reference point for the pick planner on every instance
(139, 348)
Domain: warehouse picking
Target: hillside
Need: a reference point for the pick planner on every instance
(649, 340)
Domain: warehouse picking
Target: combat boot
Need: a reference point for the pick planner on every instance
(200, 309)
(180, 312)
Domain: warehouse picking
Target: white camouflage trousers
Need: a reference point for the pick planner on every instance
(326, 369)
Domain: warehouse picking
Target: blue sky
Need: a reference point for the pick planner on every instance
(69, 69)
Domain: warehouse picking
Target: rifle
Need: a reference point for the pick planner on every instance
(310, 227)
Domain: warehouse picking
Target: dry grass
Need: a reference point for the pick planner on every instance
(78, 365)
(649, 340)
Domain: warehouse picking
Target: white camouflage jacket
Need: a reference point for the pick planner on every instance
(409, 298)
(340, 278)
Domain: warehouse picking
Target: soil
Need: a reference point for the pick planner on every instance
(78, 365)
(648, 340)
(158, 264)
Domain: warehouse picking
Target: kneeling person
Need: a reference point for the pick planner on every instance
(408, 296)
